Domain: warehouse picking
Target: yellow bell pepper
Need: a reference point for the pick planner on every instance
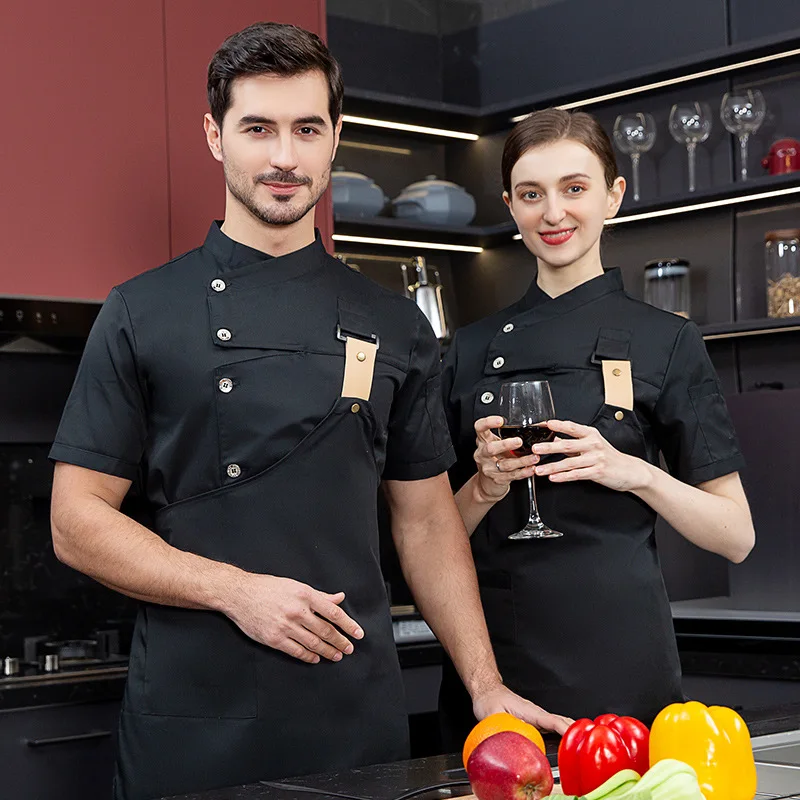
(715, 741)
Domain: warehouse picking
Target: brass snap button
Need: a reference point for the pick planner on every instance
(618, 416)
(361, 356)
(617, 372)
(355, 408)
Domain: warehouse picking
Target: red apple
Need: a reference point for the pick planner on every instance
(509, 766)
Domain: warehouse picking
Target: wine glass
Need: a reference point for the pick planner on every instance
(742, 113)
(634, 134)
(525, 406)
(689, 124)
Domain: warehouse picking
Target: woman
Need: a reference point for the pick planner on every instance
(581, 624)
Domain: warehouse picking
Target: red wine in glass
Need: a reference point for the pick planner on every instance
(525, 406)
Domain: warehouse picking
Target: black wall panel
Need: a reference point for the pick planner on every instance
(754, 19)
(388, 60)
(580, 41)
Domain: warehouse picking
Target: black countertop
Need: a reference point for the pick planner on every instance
(90, 686)
(433, 778)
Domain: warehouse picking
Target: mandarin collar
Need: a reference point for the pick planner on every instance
(610, 281)
(232, 256)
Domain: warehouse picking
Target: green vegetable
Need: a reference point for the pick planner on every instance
(616, 786)
(667, 780)
(671, 780)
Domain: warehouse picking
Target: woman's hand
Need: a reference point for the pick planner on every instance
(497, 464)
(591, 458)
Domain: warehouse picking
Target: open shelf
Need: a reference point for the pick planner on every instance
(497, 117)
(494, 235)
(749, 327)
(730, 194)
(394, 228)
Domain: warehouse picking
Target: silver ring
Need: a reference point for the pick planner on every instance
(497, 464)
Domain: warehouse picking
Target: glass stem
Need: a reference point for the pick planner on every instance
(743, 139)
(635, 163)
(533, 515)
(691, 147)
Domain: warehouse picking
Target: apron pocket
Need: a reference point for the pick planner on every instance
(625, 434)
(198, 664)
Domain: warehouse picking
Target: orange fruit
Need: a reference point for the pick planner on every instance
(495, 723)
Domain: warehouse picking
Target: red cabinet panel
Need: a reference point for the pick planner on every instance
(194, 30)
(83, 177)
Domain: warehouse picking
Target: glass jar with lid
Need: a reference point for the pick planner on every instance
(782, 262)
(666, 285)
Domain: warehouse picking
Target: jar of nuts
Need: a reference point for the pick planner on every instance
(782, 254)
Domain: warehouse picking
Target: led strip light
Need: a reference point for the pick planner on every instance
(758, 332)
(706, 73)
(403, 126)
(457, 248)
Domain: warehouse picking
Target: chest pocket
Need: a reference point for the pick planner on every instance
(581, 391)
(616, 419)
(270, 396)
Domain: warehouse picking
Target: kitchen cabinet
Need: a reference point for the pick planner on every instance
(84, 172)
(106, 171)
(60, 752)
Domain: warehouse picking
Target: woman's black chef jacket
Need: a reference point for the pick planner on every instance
(219, 376)
(581, 624)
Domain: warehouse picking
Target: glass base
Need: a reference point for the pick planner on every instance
(536, 530)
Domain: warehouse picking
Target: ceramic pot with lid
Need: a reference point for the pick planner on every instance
(356, 195)
(435, 202)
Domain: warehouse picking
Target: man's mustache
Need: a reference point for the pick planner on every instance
(284, 177)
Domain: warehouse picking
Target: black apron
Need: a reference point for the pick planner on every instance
(580, 625)
(206, 706)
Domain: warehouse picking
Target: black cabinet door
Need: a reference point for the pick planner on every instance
(756, 19)
(63, 752)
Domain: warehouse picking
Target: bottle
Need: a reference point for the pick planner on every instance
(782, 263)
(666, 285)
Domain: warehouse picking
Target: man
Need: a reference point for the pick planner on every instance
(264, 390)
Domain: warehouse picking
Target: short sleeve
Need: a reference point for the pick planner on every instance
(419, 442)
(692, 425)
(103, 426)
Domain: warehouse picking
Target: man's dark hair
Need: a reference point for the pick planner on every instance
(271, 48)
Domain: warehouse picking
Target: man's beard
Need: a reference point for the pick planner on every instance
(282, 209)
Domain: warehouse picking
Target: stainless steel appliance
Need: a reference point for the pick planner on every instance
(427, 295)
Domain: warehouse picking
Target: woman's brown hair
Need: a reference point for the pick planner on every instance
(553, 125)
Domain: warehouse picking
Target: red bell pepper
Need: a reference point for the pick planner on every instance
(591, 751)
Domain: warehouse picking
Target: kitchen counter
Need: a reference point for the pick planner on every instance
(107, 682)
(433, 778)
(783, 607)
(89, 686)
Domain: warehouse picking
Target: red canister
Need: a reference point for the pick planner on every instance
(784, 156)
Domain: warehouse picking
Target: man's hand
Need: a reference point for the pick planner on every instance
(502, 698)
(292, 617)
